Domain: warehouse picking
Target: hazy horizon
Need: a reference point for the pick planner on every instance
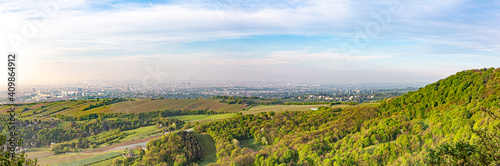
(338, 41)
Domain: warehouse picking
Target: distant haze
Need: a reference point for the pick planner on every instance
(262, 40)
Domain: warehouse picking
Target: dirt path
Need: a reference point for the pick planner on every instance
(129, 145)
(124, 144)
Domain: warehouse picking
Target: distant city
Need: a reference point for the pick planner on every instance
(205, 89)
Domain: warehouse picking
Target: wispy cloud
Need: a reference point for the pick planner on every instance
(117, 36)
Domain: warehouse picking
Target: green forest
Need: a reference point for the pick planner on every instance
(451, 122)
(455, 121)
(400, 131)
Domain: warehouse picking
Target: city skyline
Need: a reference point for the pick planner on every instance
(265, 40)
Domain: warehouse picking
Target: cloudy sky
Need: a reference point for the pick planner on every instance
(331, 41)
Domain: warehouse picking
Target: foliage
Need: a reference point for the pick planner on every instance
(485, 151)
(180, 148)
(443, 119)
(104, 103)
(13, 159)
(92, 160)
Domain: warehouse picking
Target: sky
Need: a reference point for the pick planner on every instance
(329, 41)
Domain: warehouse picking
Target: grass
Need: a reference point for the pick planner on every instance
(231, 108)
(426, 123)
(64, 158)
(137, 105)
(146, 105)
(39, 154)
(203, 117)
(250, 143)
(204, 104)
(207, 147)
(92, 160)
(107, 162)
(371, 148)
(63, 124)
(140, 133)
(281, 108)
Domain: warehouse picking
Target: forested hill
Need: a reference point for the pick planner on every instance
(463, 116)
(451, 121)
(469, 89)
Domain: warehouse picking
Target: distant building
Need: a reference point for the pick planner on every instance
(129, 155)
(314, 109)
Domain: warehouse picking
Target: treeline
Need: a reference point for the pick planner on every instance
(181, 148)
(234, 98)
(104, 103)
(38, 133)
(292, 136)
(88, 142)
(317, 103)
(311, 103)
(97, 126)
(260, 101)
(253, 100)
(28, 128)
(43, 133)
(163, 113)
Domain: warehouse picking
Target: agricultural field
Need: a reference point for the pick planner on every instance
(107, 162)
(65, 158)
(39, 154)
(133, 138)
(136, 105)
(146, 105)
(282, 108)
(208, 149)
(92, 160)
(140, 133)
(250, 143)
(203, 117)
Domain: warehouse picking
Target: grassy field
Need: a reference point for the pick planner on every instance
(64, 158)
(371, 148)
(92, 160)
(250, 143)
(231, 108)
(140, 133)
(101, 157)
(203, 117)
(107, 162)
(76, 108)
(282, 108)
(39, 154)
(146, 105)
(208, 148)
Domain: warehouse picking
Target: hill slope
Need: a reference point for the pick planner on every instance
(84, 107)
(397, 132)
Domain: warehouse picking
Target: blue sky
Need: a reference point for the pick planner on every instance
(259, 40)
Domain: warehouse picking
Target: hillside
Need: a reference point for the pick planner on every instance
(137, 105)
(399, 131)
(444, 123)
